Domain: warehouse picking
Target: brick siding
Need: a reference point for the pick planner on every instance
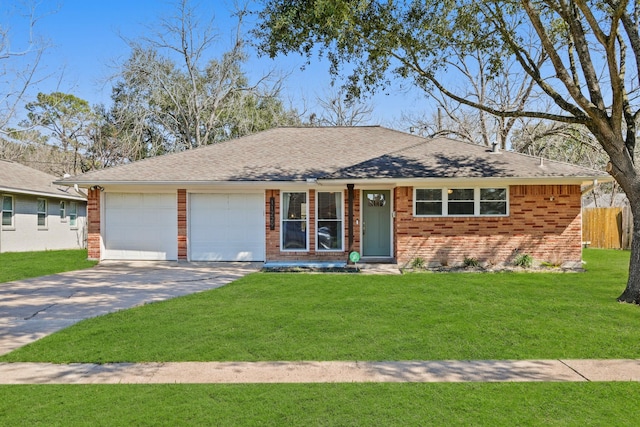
(544, 221)
(93, 224)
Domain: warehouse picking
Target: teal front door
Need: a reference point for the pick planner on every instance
(376, 223)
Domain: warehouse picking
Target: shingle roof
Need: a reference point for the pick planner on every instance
(18, 178)
(299, 153)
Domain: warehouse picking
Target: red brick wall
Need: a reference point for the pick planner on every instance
(93, 224)
(273, 252)
(182, 224)
(544, 222)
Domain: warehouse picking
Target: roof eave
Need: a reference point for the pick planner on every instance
(41, 193)
(575, 180)
(566, 180)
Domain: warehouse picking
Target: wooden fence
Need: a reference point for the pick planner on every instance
(607, 228)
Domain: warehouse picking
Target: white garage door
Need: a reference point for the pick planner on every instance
(226, 227)
(141, 226)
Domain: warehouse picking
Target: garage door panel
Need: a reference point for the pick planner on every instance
(226, 227)
(141, 226)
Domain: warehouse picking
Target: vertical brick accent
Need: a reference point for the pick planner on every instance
(356, 219)
(182, 224)
(544, 221)
(93, 224)
(272, 237)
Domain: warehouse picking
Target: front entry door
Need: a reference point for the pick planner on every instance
(376, 223)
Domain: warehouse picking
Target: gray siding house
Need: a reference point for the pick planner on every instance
(38, 215)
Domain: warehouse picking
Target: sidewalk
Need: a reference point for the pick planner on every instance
(322, 372)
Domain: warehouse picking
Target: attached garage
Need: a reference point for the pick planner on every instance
(226, 227)
(140, 226)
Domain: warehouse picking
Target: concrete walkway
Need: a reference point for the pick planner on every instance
(322, 372)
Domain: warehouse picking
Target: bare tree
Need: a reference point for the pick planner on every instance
(20, 64)
(502, 89)
(338, 110)
(170, 95)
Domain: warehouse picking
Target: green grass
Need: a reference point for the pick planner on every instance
(502, 404)
(23, 265)
(329, 317)
(270, 316)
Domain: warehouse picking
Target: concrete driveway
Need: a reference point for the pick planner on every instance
(33, 308)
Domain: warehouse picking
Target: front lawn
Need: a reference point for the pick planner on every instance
(503, 404)
(271, 316)
(23, 265)
(331, 317)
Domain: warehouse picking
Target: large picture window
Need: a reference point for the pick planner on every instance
(294, 221)
(460, 202)
(42, 213)
(329, 228)
(7, 211)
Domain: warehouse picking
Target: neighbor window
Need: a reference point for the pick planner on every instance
(460, 201)
(42, 213)
(294, 221)
(73, 214)
(63, 210)
(7, 211)
(329, 221)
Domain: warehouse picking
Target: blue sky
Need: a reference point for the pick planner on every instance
(86, 38)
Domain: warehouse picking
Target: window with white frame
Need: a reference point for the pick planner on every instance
(428, 202)
(329, 228)
(460, 202)
(7, 211)
(294, 221)
(63, 210)
(42, 213)
(73, 214)
(493, 201)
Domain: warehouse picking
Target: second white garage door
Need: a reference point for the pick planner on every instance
(226, 227)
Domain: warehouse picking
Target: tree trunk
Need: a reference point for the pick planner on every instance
(632, 293)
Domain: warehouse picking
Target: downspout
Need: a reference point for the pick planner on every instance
(350, 215)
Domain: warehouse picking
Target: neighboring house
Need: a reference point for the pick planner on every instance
(36, 214)
(315, 194)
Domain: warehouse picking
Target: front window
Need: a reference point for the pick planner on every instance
(63, 210)
(493, 201)
(73, 214)
(329, 221)
(428, 201)
(294, 221)
(7, 211)
(42, 213)
(460, 202)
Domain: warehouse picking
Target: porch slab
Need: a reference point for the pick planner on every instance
(311, 265)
